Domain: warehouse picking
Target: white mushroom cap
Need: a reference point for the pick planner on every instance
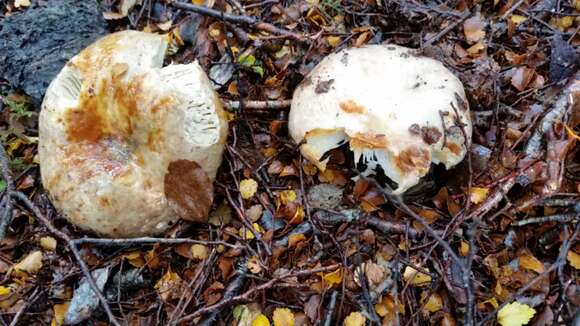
(111, 123)
(392, 107)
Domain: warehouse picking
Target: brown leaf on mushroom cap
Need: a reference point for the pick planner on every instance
(188, 190)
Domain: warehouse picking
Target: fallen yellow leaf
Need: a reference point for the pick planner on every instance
(434, 302)
(48, 243)
(573, 259)
(248, 188)
(332, 278)
(464, 248)
(4, 291)
(414, 277)
(515, 314)
(169, 285)
(59, 313)
(261, 320)
(333, 40)
(283, 317)
(355, 319)
(31, 264)
(199, 252)
(288, 196)
(294, 239)
(518, 19)
(529, 262)
(478, 194)
(21, 3)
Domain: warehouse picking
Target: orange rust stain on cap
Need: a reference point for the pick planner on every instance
(368, 140)
(413, 158)
(453, 147)
(350, 106)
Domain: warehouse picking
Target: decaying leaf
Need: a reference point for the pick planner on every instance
(169, 286)
(188, 190)
(515, 314)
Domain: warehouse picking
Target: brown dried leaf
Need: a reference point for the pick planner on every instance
(522, 77)
(188, 190)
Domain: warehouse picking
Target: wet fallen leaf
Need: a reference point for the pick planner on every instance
(248, 188)
(188, 190)
(283, 317)
(515, 314)
(355, 319)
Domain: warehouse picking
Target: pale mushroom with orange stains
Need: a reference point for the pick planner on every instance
(395, 108)
(126, 146)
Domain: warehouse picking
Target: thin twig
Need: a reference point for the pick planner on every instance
(560, 218)
(258, 105)
(447, 29)
(248, 294)
(331, 307)
(64, 237)
(148, 240)
(512, 8)
(6, 216)
(239, 19)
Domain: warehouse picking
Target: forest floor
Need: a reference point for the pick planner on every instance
(495, 234)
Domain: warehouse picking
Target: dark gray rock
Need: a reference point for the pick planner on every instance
(37, 42)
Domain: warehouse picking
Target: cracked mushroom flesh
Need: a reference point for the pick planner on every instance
(394, 108)
(113, 127)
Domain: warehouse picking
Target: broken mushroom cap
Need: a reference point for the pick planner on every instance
(119, 134)
(394, 108)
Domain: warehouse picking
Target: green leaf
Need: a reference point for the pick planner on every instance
(2, 185)
(259, 70)
(247, 60)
